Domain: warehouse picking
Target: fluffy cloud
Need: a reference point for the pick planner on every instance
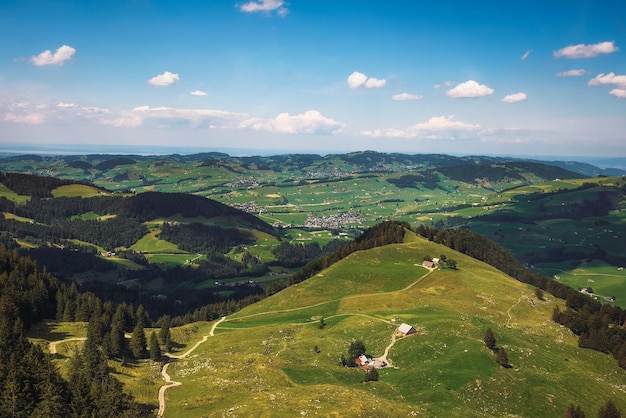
(516, 97)
(586, 51)
(571, 73)
(264, 6)
(526, 54)
(357, 79)
(60, 56)
(608, 79)
(436, 127)
(406, 96)
(169, 117)
(470, 89)
(621, 93)
(198, 93)
(310, 122)
(165, 79)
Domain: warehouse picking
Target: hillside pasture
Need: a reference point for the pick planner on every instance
(8, 215)
(277, 352)
(77, 190)
(151, 244)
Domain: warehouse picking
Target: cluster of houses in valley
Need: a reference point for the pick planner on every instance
(334, 221)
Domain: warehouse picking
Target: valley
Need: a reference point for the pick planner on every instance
(549, 217)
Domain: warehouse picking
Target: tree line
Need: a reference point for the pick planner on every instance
(30, 384)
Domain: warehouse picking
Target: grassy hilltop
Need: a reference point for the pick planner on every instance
(273, 359)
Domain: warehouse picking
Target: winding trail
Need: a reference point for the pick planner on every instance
(361, 295)
(169, 383)
(386, 353)
(52, 347)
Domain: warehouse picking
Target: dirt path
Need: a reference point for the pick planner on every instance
(386, 353)
(508, 321)
(336, 300)
(169, 383)
(52, 347)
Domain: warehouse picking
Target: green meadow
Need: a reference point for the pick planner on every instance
(273, 359)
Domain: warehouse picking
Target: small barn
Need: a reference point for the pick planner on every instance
(428, 264)
(406, 329)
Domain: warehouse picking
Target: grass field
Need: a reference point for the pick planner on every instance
(605, 280)
(77, 190)
(272, 359)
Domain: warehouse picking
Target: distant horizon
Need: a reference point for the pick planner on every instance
(46, 150)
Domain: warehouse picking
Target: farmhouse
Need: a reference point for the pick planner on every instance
(405, 329)
(367, 363)
(428, 264)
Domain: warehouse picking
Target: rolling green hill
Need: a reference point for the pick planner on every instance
(274, 359)
(539, 211)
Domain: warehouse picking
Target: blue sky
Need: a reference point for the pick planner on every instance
(272, 76)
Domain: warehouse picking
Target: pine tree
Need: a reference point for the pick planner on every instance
(155, 350)
(168, 341)
(501, 358)
(165, 328)
(609, 410)
(138, 342)
(573, 412)
(118, 343)
(142, 316)
(490, 339)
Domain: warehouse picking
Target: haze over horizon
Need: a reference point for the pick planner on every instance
(532, 79)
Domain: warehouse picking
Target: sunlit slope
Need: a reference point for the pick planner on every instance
(273, 359)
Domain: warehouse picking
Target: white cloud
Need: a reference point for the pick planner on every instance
(513, 98)
(310, 122)
(526, 54)
(265, 6)
(406, 96)
(439, 123)
(571, 73)
(165, 79)
(375, 83)
(586, 51)
(66, 105)
(436, 127)
(608, 79)
(357, 79)
(60, 56)
(470, 89)
(621, 93)
(198, 93)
